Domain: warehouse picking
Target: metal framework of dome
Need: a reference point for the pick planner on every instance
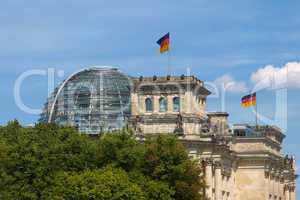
(93, 100)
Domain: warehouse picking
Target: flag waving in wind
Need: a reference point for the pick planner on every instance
(249, 100)
(164, 43)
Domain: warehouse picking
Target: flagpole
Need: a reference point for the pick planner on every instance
(169, 63)
(169, 58)
(256, 124)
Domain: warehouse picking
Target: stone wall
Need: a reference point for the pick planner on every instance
(246, 173)
(250, 184)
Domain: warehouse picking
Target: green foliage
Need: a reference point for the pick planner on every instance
(120, 149)
(158, 190)
(167, 160)
(33, 155)
(52, 162)
(106, 184)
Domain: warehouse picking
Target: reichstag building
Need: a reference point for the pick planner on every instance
(240, 162)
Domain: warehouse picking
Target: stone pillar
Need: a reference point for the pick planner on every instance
(287, 193)
(293, 194)
(156, 104)
(142, 105)
(218, 179)
(170, 103)
(272, 177)
(188, 102)
(134, 104)
(277, 193)
(232, 184)
(268, 188)
(208, 179)
(181, 103)
(281, 190)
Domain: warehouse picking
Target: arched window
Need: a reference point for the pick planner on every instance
(163, 104)
(149, 105)
(176, 104)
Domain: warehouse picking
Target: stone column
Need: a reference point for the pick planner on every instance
(281, 190)
(268, 188)
(277, 189)
(155, 104)
(272, 179)
(218, 179)
(170, 103)
(286, 193)
(293, 194)
(134, 104)
(208, 179)
(188, 102)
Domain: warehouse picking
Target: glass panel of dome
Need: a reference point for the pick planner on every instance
(96, 99)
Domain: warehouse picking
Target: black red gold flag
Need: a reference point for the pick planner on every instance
(249, 100)
(164, 43)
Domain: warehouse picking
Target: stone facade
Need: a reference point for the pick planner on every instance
(241, 163)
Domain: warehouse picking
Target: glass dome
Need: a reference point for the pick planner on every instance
(93, 100)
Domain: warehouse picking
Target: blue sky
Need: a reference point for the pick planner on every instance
(213, 39)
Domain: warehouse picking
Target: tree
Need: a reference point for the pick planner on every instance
(120, 149)
(106, 184)
(158, 190)
(161, 159)
(52, 162)
(34, 155)
(166, 160)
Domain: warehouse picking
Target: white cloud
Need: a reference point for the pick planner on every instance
(278, 77)
(231, 85)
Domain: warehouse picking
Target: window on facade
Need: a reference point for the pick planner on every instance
(149, 105)
(176, 104)
(163, 104)
(202, 101)
(239, 133)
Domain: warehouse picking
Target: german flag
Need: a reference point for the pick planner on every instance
(164, 43)
(249, 100)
